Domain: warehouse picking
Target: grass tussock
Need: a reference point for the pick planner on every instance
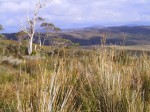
(104, 81)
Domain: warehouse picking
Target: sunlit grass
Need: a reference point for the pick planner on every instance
(101, 80)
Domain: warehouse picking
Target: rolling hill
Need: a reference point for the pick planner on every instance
(129, 35)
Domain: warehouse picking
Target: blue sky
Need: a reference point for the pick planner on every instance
(77, 13)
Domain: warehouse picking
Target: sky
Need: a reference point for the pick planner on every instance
(76, 13)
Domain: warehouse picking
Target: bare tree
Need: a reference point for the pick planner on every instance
(31, 22)
(1, 27)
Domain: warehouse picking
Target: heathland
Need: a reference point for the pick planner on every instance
(74, 77)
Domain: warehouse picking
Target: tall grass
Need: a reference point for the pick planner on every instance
(101, 80)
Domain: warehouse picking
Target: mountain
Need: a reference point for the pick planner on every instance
(129, 35)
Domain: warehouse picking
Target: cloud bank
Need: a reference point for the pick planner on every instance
(77, 13)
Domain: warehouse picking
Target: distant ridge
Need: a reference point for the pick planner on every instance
(133, 35)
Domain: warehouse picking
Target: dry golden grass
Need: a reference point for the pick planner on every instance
(102, 80)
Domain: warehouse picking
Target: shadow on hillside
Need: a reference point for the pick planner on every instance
(95, 40)
(82, 42)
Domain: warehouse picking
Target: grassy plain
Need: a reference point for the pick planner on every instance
(74, 80)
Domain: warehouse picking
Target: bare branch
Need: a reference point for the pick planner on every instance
(1, 27)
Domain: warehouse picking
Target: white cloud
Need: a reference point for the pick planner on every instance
(69, 13)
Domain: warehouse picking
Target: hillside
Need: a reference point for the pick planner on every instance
(130, 35)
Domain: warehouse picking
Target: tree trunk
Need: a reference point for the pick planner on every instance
(40, 42)
(30, 46)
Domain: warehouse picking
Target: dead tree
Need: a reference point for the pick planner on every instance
(31, 24)
(1, 27)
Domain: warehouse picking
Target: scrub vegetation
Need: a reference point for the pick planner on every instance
(71, 79)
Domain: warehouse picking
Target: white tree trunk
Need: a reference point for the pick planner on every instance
(30, 30)
(40, 42)
(30, 46)
(44, 41)
(35, 46)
